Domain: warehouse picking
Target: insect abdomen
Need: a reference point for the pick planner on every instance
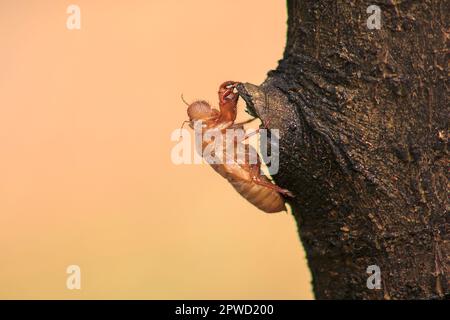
(264, 198)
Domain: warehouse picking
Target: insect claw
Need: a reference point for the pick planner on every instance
(288, 193)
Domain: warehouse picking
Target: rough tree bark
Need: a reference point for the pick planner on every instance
(364, 130)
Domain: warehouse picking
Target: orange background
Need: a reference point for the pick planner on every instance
(86, 176)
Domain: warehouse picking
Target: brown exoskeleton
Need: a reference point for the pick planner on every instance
(245, 177)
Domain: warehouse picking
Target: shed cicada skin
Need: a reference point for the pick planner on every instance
(245, 177)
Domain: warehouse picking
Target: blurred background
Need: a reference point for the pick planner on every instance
(86, 176)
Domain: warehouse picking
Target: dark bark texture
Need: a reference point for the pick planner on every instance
(363, 120)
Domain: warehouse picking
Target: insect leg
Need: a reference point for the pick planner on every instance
(257, 178)
(184, 122)
(251, 134)
(226, 89)
(240, 124)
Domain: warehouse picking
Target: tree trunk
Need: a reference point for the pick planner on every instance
(363, 121)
